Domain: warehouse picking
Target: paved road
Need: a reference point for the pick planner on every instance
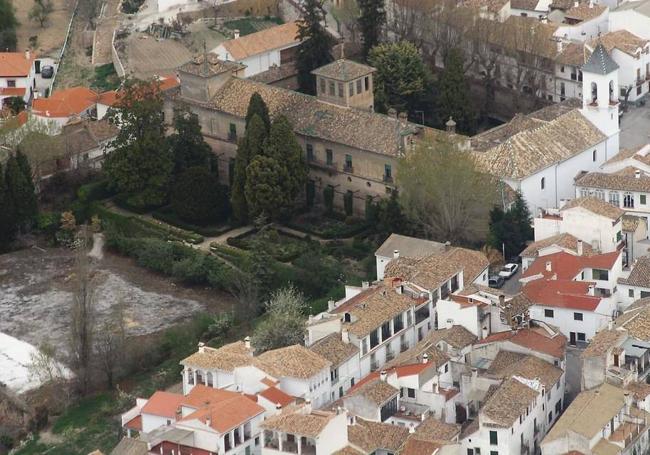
(573, 374)
(512, 285)
(635, 127)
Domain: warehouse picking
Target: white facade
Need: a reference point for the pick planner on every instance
(585, 30)
(12, 81)
(629, 19)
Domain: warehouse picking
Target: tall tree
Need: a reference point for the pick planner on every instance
(256, 105)
(511, 229)
(140, 163)
(250, 146)
(285, 324)
(21, 190)
(187, 143)
(372, 20)
(401, 78)
(264, 195)
(41, 11)
(316, 45)
(444, 194)
(8, 24)
(7, 214)
(198, 198)
(454, 97)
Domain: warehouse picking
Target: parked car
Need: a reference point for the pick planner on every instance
(496, 282)
(508, 270)
(47, 72)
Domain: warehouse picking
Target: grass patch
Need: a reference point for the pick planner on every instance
(246, 26)
(82, 413)
(328, 227)
(105, 78)
(280, 246)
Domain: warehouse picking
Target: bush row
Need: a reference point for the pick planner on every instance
(168, 215)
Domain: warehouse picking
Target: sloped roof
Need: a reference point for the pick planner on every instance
(599, 62)
(163, 404)
(585, 11)
(333, 349)
(595, 205)
(562, 294)
(640, 274)
(310, 425)
(508, 402)
(277, 396)
(343, 70)
(210, 65)
(566, 266)
(229, 411)
(410, 247)
(371, 436)
(65, 103)
(15, 64)
(226, 358)
(508, 364)
(622, 180)
(131, 446)
(263, 41)
(565, 240)
(622, 40)
(294, 361)
(374, 390)
(536, 339)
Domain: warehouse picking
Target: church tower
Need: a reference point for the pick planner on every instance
(600, 95)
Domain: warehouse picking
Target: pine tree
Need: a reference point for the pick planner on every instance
(316, 44)
(26, 169)
(7, 214)
(250, 146)
(510, 230)
(454, 99)
(21, 190)
(371, 22)
(187, 143)
(256, 105)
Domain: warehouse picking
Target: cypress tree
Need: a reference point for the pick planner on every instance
(256, 105)
(454, 99)
(316, 44)
(21, 191)
(187, 143)
(7, 214)
(371, 22)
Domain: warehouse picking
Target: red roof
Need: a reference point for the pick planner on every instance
(567, 266)
(223, 409)
(22, 117)
(135, 423)
(531, 338)
(562, 294)
(277, 396)
(163, 404)
(15, 64)
(12, 91)
(108, 98)
(409, 370)
(65, 103)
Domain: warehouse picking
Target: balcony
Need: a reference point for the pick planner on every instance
(348, 168)
(387, 179)
(232, 136)
(403, 347)
(390, 355)
(525, 449)
(331, 166)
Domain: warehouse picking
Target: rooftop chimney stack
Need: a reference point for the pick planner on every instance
(592, 289)
(201, 346)
(28, 55)
(392, 113)
(412, 429)
(278, 406)
(447, 245)
(502, 300)
(580, 248)
(425, 358)
(637, 174)
(450, 126)
(383, 375)
(549, 266)
(236, 33)
(247, 342)
(330, 305)
(365, 284)
(396, 254)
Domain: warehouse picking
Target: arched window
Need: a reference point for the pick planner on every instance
(612, 95)
(543, 183)
(594, 92)
(594, 156)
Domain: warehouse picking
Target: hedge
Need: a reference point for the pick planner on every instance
(168, 215)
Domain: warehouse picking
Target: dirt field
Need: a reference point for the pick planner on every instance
(36, 290)
(145, 56)
(51, 37)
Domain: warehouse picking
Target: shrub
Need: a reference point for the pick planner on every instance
(316, 273)
(167, 215)
(198, 198)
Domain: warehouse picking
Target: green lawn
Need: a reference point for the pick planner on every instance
(281, 247)
(246, 26)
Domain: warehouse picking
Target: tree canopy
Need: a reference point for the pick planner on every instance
(372, 19)
(285, 324)
(401, 78)
(444, 194)
(316, 45)
(8, 24)
(187, 144)
(250, 146)
(512, 228)
(7, 214)
(198, 198)
(20, 187)
(453, 94)
(257, 106)
(140, 164)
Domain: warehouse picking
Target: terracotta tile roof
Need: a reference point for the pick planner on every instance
(457, 336)
(226, 358)
(529, 151)
(311, 117)
(631, 222)
(595, 205)
(589, 412)
(333, 349)
(535, 339)
(310, 425)
(374, 390)
(432, 429)
(565, 241)
(572, 54)
(515, 308)
(636, 320)
(566, 266)
(373, 307)
(371, 436)
(135, 423)
(529, 5)
(263, 41)
(226, 411)
(508, 402)
(163, 404)
(292, 361)
(213, 67)
(65, 103)
(416, 354)
(507, 364)
(130, 446)
(417, 368)
(15, 64)
(12, 91)
(410, 247)
(622, 40)
(640, 274)
(415, 446)
(640, 390)
(343, 70)
(492, 6)
(348, 450)
(562, 294)
(585, 11)
(108, 98)
(602, 342)
(277, 396)
(431, 271)
(624, 180)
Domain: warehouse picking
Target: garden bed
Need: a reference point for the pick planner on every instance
(279, 245)
(168, 215)
(333, 226)
(249, 25)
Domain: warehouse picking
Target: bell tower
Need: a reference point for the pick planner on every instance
(600, 95)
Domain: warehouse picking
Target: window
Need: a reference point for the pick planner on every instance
(340, 89)
(550, 416)
(577, 316)
(645, 294)
(614, 198)
(232, 132)
(364, 346)
(11, 82)
(594, 155)
(388, 172)
(410, 393)
(348, 163)
(351, 89)
(584, 192)
(562, 69)
(628, 200)
(454, 283)
(398, 323)
(366, 83)
(543, 183)
(582, 337)
(257, 441)
(642, 199)
(630, 293)
(548, 313)
(494, 440)
(374, 339)
(385, 331)
(598, 274)
(310, 152)
(600, 194)
(322, 85)
(329, 156)
(332, 89)
(359, 86)
(446, 367)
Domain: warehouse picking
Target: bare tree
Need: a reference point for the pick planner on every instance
(110, 343)
(346, 15)
(247, 293)
(82, 317)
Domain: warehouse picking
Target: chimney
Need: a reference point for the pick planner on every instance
(28, 55)
(591, 4)
(560, 45)
(403, 118)
(637, 174)
(201, 346)
(549, 266)
(425, 358)
(412, 429)
(436, 388)
(392, 113)
(592, 290)
(365, 284)
(474, 376)
(278, 406)
(447, 245)
(208, 421)
(383, 375)
(353, 419)
(307, 407)
(247, 342)
(610, 325)
(330, 305)
(395, 254)
(628, 403)
(579, 248)
(236, 33)
(345, 336)
(576, 4)
(450, 126)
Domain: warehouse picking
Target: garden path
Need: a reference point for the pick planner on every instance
(223, 238)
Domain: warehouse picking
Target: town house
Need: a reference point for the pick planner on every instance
(636, 285)
(17, 73)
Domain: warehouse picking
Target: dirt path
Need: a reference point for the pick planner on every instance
(223, 238)
(109, 20)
